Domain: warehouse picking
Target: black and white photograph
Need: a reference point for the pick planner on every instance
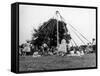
(55, 38)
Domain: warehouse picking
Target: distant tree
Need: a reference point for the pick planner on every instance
(47, 33)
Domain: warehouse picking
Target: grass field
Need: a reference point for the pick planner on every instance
(56, 62)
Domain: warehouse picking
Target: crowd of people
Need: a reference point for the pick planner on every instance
(28, 49)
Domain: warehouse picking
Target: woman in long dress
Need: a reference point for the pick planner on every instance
(62, 47)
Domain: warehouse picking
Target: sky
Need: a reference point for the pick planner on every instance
(32, 16)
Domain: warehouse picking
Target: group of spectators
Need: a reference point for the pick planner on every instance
(28, 49)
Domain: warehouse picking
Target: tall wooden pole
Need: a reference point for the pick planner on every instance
(57, 29)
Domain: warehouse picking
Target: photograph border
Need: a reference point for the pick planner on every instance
(15, 35)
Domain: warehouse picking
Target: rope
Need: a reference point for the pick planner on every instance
(71, 42)
(73, 39)
(79, 37)
(75, 29)
(79, 33)
(62, 19)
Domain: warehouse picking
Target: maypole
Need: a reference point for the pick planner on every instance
(57, 30)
